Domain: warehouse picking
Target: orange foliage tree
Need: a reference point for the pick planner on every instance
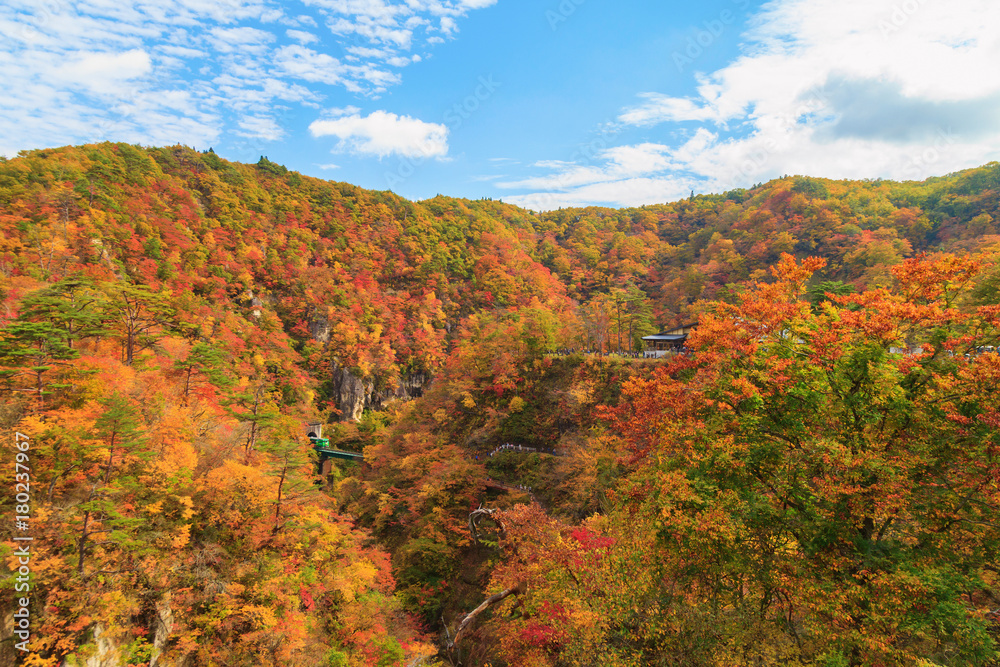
(823, 484)
(810, 486)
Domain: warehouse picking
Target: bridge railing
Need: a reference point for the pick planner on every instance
(322, 447)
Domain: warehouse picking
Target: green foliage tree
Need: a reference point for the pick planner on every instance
(30, 353)
(204, 363)
(137, 315)
(293, 464)
(823, 291)
(71, 305)
(39, 346)
(101, 515)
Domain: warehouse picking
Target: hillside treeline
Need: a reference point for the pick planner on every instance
(813, 483)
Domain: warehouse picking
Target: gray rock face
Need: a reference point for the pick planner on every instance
(355, 395)
(255, 303)
(108, 654)
(409, 388)
(319, 328)
(164, 626)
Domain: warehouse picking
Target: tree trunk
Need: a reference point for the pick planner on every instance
(82, 542)
(277, 507)
(519, 589)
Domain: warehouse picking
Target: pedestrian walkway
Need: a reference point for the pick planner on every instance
(497, 484)
(524, 449)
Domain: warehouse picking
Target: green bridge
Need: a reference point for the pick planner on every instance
(322, 447)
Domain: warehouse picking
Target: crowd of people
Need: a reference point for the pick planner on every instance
(508, 447)
(519, 487)
(628, 354)
(511, 447)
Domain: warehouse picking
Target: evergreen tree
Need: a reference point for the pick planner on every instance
(137, 315)
(102, 522)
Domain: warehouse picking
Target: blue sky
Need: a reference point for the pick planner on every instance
(545, 103)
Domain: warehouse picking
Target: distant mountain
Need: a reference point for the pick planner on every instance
(170, 322)
(379, 285)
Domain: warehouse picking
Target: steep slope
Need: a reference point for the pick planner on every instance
(170, 320)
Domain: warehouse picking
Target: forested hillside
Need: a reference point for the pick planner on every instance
(815, 483)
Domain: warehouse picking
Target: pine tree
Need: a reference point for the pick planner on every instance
(103, 520)
(45, 338)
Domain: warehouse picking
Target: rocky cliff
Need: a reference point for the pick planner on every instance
(355, 395)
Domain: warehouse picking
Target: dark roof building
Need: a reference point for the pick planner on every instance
(665, 338)
(667, 342)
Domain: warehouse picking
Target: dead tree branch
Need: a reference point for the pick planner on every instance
(486, 604)
(477, 515)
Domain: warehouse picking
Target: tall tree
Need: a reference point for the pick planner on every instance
(137, 315)
(204, 364)
(103, 514)
(44, 339)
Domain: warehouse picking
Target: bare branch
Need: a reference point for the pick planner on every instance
(519, 589)
(477, 515)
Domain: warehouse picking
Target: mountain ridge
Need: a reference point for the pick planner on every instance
(170, 320)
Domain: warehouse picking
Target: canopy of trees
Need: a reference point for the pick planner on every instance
(815, 483)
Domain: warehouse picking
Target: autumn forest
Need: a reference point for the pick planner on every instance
(813, 479)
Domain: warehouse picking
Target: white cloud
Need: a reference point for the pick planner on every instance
(619, 164)
(302, 37)
(310, 65)
(835, 88)
(641, 159)
(379, 79)
(336, 112)
(374, 9)
(382, 133)
(374, 31)
(368, 52)
(243, 40)
(625, 192)
(260, 127)
(104, 69)
(272, 16)
(181, 51)
(662, 108)
(104, 73)
(291, 92)
(401, 61)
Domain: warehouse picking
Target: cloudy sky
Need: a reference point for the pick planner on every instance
(543, 103)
